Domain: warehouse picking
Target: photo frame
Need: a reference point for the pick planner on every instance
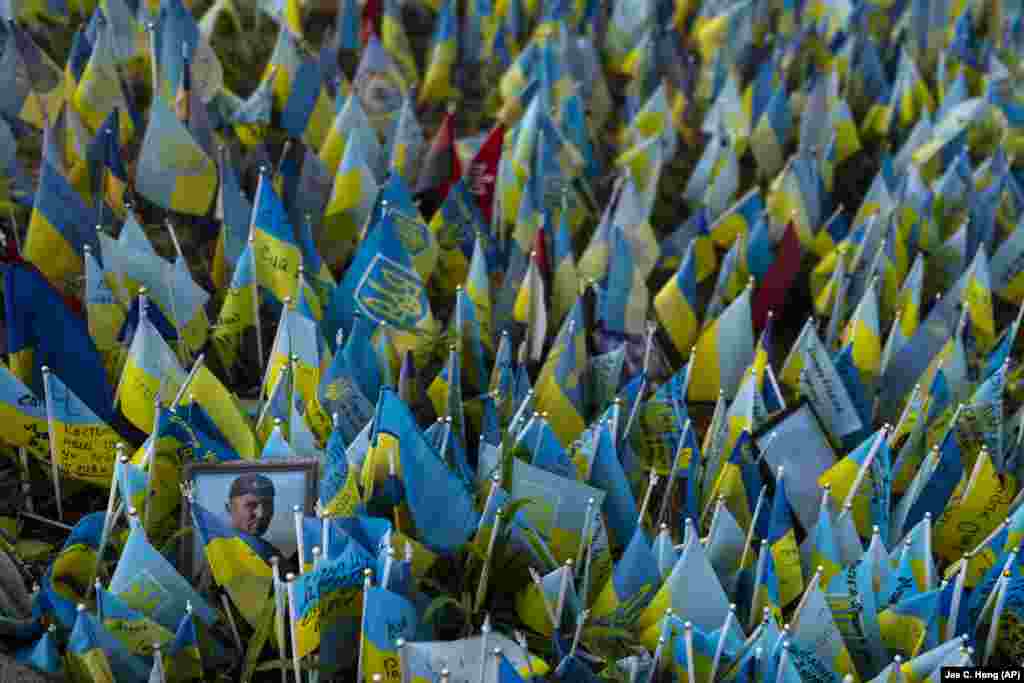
(802, 445)
(292, 481)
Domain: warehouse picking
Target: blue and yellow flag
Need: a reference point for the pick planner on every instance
(439, 79)
(69, 576)
(442, 528)
(328, 604)
(135, 631)
(909, 626)
(723, 351)
(633, 583)
(61, 224)
(172, 170)
(183, 657)
(150, 370)
(239, 310)
(87, 659)
(275, 249)
(382, 284)
(239, 562)
(677, 305)
(782, 545)
(83, 444)
(23, 421)
(560, 383)
(387, 617)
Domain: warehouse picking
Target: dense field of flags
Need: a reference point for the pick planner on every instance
(694, 358)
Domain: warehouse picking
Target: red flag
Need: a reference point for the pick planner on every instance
(774, 289)
(483, 171)
(441, 167)
(540, 254)
(371, 20)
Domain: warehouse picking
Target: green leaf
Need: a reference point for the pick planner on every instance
(439, 603)
(258, 641)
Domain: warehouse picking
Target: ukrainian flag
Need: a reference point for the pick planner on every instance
(387, 617)
(723, 351)
(771, 134)
(134, 630)
(676, 304)
(234, 210)
(560, 383)
(69, 576)
(634, 582)
(352, 117)
(224, 411)
(427, 478)
(738, 220)
(60, 227)
(971, 509)
(78, 59)
(908, 625)
(395, 40)
(382, 284)
(183, 657)
(456, 226)
(105, 315)
(23, 422)
(87, 660)
(478, 290)
(353, 193)
(690, 641)
(782, 543)
(977, 296)
(150, 365)
(276, 252)
(239, 310)
(407, 144)
(83, 443)
(329, 602)
(173, 171)
(235, 563)
(100, 90)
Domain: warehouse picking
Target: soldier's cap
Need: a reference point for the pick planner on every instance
(256, 484)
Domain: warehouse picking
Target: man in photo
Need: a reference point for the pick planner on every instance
(250, 507)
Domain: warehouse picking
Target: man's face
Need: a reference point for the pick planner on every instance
(251, 513)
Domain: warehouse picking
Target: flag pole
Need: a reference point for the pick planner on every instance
(481, 589)
(55, 468)
(585, 538)
(290, 579)
(485, 632)
(863, 470)
(672, 474)
(299, 540)
(720, 647)
(280, 599)
(651, 483)
(539, 583)
(563, 589)
(997, 613)
(108, 520)
(367, 583)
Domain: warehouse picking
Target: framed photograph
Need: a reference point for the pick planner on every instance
(254, 497)
(796, 440)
